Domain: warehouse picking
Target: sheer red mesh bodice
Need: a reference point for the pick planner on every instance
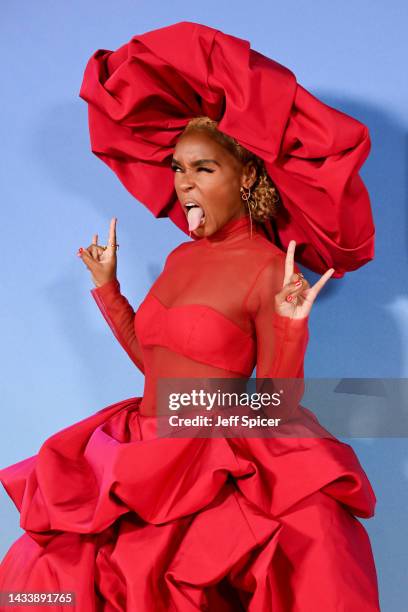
(210, 313)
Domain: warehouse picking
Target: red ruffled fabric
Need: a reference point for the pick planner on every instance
(190, 519)
(142, 95)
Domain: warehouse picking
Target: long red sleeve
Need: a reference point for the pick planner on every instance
(119, 315)
(281, 341)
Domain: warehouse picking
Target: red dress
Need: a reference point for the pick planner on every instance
(132, 521)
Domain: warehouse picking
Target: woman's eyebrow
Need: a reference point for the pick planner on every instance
(198, 162)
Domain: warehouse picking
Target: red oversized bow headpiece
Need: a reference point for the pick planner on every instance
(142, 96)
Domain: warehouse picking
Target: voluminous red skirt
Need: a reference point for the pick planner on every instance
(130, 521)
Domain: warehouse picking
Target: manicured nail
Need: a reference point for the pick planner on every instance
(298, 283)
(289, 298)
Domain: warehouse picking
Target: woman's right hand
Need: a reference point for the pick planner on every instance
(101, 261)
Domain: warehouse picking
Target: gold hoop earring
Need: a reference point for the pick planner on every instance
(245, 196)
(252, 203)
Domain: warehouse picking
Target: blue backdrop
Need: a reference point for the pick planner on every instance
(60, 361)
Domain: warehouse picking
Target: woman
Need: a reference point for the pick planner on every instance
(129, 520)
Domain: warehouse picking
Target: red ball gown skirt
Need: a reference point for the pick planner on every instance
(129, 521)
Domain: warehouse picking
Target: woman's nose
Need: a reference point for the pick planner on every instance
(186, 182)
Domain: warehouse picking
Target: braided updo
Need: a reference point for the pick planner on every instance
(264, 199)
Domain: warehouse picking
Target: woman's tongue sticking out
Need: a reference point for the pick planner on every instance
(195, 216)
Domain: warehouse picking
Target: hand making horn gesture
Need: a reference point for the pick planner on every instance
(296, 297)
(101, 260)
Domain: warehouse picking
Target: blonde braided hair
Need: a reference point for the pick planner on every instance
(264, 198)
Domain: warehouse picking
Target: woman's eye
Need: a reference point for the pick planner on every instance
(200, 168)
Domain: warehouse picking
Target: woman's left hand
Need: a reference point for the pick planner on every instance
(296, 297)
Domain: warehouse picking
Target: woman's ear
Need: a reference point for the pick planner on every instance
(249, 175)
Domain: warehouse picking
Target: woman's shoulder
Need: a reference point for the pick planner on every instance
(263, 249)
(268, 258)
(179, 250)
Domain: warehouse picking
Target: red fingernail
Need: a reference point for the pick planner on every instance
(298, 283)
(289, 298)
(80, 249)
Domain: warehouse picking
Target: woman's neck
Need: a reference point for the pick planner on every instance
(240, 226)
